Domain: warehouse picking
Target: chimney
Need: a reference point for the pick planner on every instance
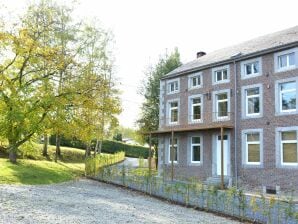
(200, 54)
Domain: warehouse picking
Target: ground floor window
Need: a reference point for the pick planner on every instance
(174, 151)
(196, 149)
(288, 146)
(252, 146)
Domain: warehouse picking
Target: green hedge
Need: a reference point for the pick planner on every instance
(130, 150)
(94, 165)
(108, 146)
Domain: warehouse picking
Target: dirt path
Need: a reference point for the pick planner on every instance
(87, 201)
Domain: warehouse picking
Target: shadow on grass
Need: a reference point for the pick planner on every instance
(35, 172)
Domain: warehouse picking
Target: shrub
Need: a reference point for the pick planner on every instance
(94, 165)
(108, 146)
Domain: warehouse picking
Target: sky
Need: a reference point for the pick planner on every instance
(145, 29)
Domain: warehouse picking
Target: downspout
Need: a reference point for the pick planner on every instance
(236, 127)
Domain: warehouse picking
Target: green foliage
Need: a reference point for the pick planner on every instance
(130, 150)
(94, 165)
(108, 146)
(150, 109)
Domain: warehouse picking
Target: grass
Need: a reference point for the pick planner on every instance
(34, 172)
(33, 168)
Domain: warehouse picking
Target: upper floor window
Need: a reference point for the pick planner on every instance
(286, 96)
(289, 150)
(195, 149)
(286, 60)
(251, 68)
(252, 101)
(173, 112)
(220, 75)
(173, 150)
(221, 104)
(196, 109)
(195, 81)
(173, 86)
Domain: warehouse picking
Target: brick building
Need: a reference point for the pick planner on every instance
(234, 112)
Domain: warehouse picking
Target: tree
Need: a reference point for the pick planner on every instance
(150, 109)
(24, 99)
(55, 76)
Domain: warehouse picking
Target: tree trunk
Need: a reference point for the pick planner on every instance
(13, 153)
(96, 147)
(58, 150)
(88, 152)
(45, 145)
(99, 147)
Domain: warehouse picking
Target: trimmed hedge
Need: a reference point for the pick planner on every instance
(130, 150)
(108, 146)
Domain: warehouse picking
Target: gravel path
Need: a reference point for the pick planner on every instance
(87, 201)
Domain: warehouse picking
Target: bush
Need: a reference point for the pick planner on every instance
(94, 165)
(130, 150)
(108, 146)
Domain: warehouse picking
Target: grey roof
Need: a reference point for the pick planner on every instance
(247, 49)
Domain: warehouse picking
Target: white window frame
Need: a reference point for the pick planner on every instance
(245, 101)
(279, 142)
(191, 149)
(196, 75)
(278, 97)
(170, 110)
(251, 61)
(245, 147)
(170, 82)
(191, 105)
(286, 52)
(214, 77)
(169, 150)
(215, 105)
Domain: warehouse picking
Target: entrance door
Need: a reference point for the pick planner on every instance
(218, 154)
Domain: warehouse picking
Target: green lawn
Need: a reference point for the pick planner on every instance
(38, 172)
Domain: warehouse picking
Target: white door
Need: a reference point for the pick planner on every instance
(218, 154)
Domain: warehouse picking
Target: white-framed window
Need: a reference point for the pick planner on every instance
(174, 151)
(286, 98)
(286, 60)
(195, 146)
(251, 68)
(252, 147)
(221, 105)
(173, 86)
(253, 101)
(196, 108)
(221, 75)
(173, 112)
(195, 81)
(289, 147)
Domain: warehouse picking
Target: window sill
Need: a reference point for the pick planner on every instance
(251, 165)
(171, 93)
(195, 164)
(286, 113)
(245, 117)
(244, 77)
(195, 87)
(221, 82)
(288, 166)
(285, 69)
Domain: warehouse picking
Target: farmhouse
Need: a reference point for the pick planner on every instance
(233, 113)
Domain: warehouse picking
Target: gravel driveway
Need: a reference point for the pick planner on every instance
(87, 201)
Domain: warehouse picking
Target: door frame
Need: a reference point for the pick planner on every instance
(214, 153)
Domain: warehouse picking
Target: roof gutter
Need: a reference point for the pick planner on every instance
(233, 59)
